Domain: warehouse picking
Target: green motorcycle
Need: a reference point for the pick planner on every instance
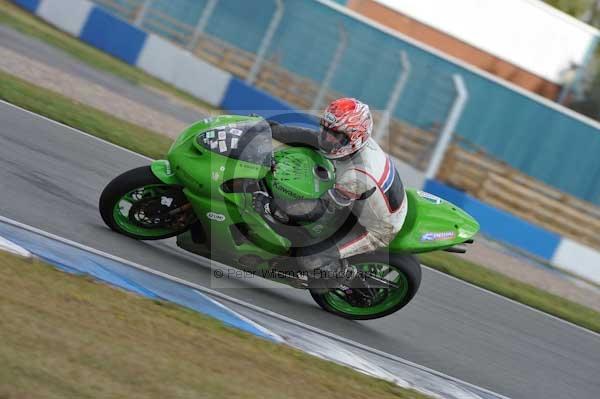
(203, 195)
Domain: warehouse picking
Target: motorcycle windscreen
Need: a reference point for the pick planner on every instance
(248, 141)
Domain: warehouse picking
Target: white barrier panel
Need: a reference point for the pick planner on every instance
(527, 33)
(179, 67)
(201, 79)
(68, 15)
(578, 259)
(159, 58)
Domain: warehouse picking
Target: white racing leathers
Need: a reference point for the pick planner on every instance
(368, 181)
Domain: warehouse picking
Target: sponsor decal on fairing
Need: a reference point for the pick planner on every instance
(439, 236)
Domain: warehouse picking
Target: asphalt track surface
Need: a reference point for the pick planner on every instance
(51, 177)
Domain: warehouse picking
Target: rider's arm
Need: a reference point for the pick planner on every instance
(360, 191)
(351, 186)
(293, 135)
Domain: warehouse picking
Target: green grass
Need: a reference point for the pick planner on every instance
(83, 117)
(66, 336)
(154, 145)
(19, 20)
(514, 289)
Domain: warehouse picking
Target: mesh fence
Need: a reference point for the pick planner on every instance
(503, 122)
(303, 53)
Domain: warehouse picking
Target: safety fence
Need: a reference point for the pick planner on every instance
(308, 51)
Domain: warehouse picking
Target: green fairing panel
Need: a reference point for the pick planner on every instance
(300, 173)
(432, 224)
(163, 171)
(203, 167)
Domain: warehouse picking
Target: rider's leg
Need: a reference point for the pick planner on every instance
(323, 262)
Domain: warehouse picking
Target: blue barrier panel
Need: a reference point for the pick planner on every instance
(241, 98)
(500, 225)
(118, 38)
(29, 5)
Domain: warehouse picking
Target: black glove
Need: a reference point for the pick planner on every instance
(263, 204)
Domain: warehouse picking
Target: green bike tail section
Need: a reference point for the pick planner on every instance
(432, 224)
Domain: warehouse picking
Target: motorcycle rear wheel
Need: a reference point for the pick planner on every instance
(136, 204)
(404, 270)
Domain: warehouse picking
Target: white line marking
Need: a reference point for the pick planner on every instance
(11, 247)
(436, 271)
(227, 298)
(254, 324)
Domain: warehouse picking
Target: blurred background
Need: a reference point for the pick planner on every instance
(491, 105)
(408, 59)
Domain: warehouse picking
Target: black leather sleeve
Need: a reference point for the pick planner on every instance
(295, 136)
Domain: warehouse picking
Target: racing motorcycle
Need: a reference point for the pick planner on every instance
(203, 194)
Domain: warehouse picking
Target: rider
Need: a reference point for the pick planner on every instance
(366, 181)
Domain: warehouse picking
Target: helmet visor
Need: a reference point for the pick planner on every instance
(331, 141)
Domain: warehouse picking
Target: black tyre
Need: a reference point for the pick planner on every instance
(137, 204)
(404, 270)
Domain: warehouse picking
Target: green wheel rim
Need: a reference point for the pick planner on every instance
(393, 298)
(123, 205)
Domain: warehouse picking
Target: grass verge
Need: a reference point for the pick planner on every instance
(66, 336)
(514, 289)
(83, 117)
(19, 20)
(154, 145)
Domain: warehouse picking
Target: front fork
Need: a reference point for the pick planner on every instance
(161, 168)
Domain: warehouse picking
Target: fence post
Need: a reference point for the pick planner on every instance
(448, 129)
(141, 14)
(202, 22)
(266, 42)
(335, 61)
(394, 97)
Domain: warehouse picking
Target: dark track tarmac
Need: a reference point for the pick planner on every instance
(51, 178)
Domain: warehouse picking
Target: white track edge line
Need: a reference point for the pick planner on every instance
(225, 297)
(245, 319)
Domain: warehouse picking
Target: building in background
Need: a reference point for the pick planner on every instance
(525, 42)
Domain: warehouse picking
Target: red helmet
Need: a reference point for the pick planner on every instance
(346, 126)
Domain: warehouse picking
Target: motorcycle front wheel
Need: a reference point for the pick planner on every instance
(402, 271)
(137, 204)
